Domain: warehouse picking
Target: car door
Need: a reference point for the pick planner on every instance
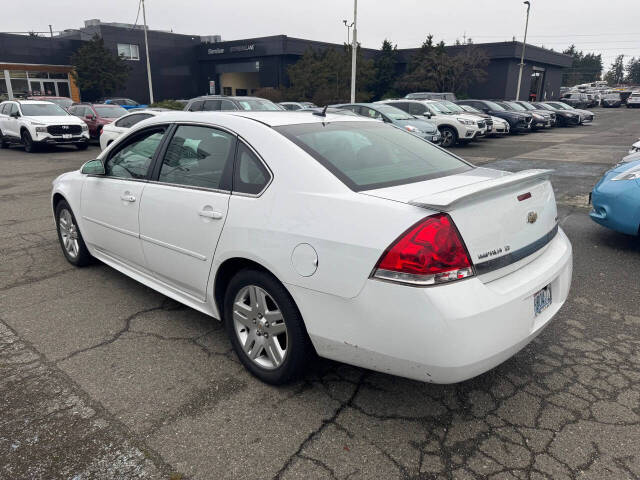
(13, 123)
(110, 203)
(89, 117)
(185, 205)
(4, 117)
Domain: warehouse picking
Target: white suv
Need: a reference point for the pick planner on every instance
(34, 123)
(455, 128)
(634, 100)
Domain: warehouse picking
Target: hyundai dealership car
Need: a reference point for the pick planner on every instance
(564, 118)
(586, 116)
(388, 252)
(634, 100)
(96, 116)
(34, 123)
(541, 118)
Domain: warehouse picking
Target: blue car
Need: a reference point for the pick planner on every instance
(125, 103)
(616, 197)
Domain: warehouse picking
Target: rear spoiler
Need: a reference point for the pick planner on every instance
(446, 200)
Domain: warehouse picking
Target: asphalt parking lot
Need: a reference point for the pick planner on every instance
(101, 377)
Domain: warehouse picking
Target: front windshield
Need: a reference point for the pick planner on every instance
(544, 106)
(516, 106)
(42, 110)
(527, 106)
(393, 112)
(494, 106)
(437, 107)
(562, 106)
(444, 108)
(110, 111)
(469, 108)
(367, 155)
(62, 102)
(258, 105)
(451, 106)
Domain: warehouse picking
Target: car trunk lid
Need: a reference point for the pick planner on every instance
(502, 217)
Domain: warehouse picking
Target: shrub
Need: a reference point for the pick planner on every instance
(170, 104)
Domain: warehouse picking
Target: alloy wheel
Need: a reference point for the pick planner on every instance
(68, 233)
(260, 328)
(447, 138)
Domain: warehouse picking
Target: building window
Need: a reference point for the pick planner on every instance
(241, 92)
(129, 51)
(226, 91)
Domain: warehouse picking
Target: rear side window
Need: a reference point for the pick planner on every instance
(196, 106)
(368, 155)
(249, 175)
(130, 120)
(211, 105)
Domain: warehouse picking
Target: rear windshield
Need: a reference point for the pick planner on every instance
(368, 155)
(108, 111)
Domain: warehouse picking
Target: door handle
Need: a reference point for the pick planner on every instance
(127, 197)
(210, 214)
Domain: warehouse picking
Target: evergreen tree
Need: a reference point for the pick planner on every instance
(633, 71)
(584, 68)
(98, 72)
(615, 75)
(385, 70)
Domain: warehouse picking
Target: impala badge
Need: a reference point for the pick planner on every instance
(532, 217)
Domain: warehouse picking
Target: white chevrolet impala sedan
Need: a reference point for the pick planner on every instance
(334, 235)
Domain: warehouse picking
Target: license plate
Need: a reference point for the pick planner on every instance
(541, 300)
(66, 136)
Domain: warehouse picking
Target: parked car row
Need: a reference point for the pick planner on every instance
(437, 117)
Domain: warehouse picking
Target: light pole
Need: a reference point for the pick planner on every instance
(524, 44)
(348, 29)
(353, 51)
(146, 48)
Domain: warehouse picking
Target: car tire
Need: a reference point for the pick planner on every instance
(27, 141)
(69, 236)
(449, 137)
(82, 146)
(3, 142)
(275, 352)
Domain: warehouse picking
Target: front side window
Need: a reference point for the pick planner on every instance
(129, 51)
(371, 155)
(250, 175)
(133, 160)
(227, 105)
(198, 157)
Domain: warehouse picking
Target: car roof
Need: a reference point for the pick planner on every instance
(32, 102)
(271, 118)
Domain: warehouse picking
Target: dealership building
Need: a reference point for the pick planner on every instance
(184, 66)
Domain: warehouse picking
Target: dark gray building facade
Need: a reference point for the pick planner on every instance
(184, 66)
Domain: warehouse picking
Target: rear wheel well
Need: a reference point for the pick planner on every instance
(225, 272)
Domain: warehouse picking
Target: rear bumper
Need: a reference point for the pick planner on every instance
(442, 334)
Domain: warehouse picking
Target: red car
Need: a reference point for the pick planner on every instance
(96, 115)
(64, 102)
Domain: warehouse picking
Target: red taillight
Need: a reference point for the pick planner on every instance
(430, 252)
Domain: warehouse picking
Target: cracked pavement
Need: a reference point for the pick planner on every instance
(101, 377)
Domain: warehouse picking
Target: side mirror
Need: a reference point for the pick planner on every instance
(93, 167)
(15, 115)
(427, 114)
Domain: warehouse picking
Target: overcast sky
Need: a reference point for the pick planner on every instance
(609, 27)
